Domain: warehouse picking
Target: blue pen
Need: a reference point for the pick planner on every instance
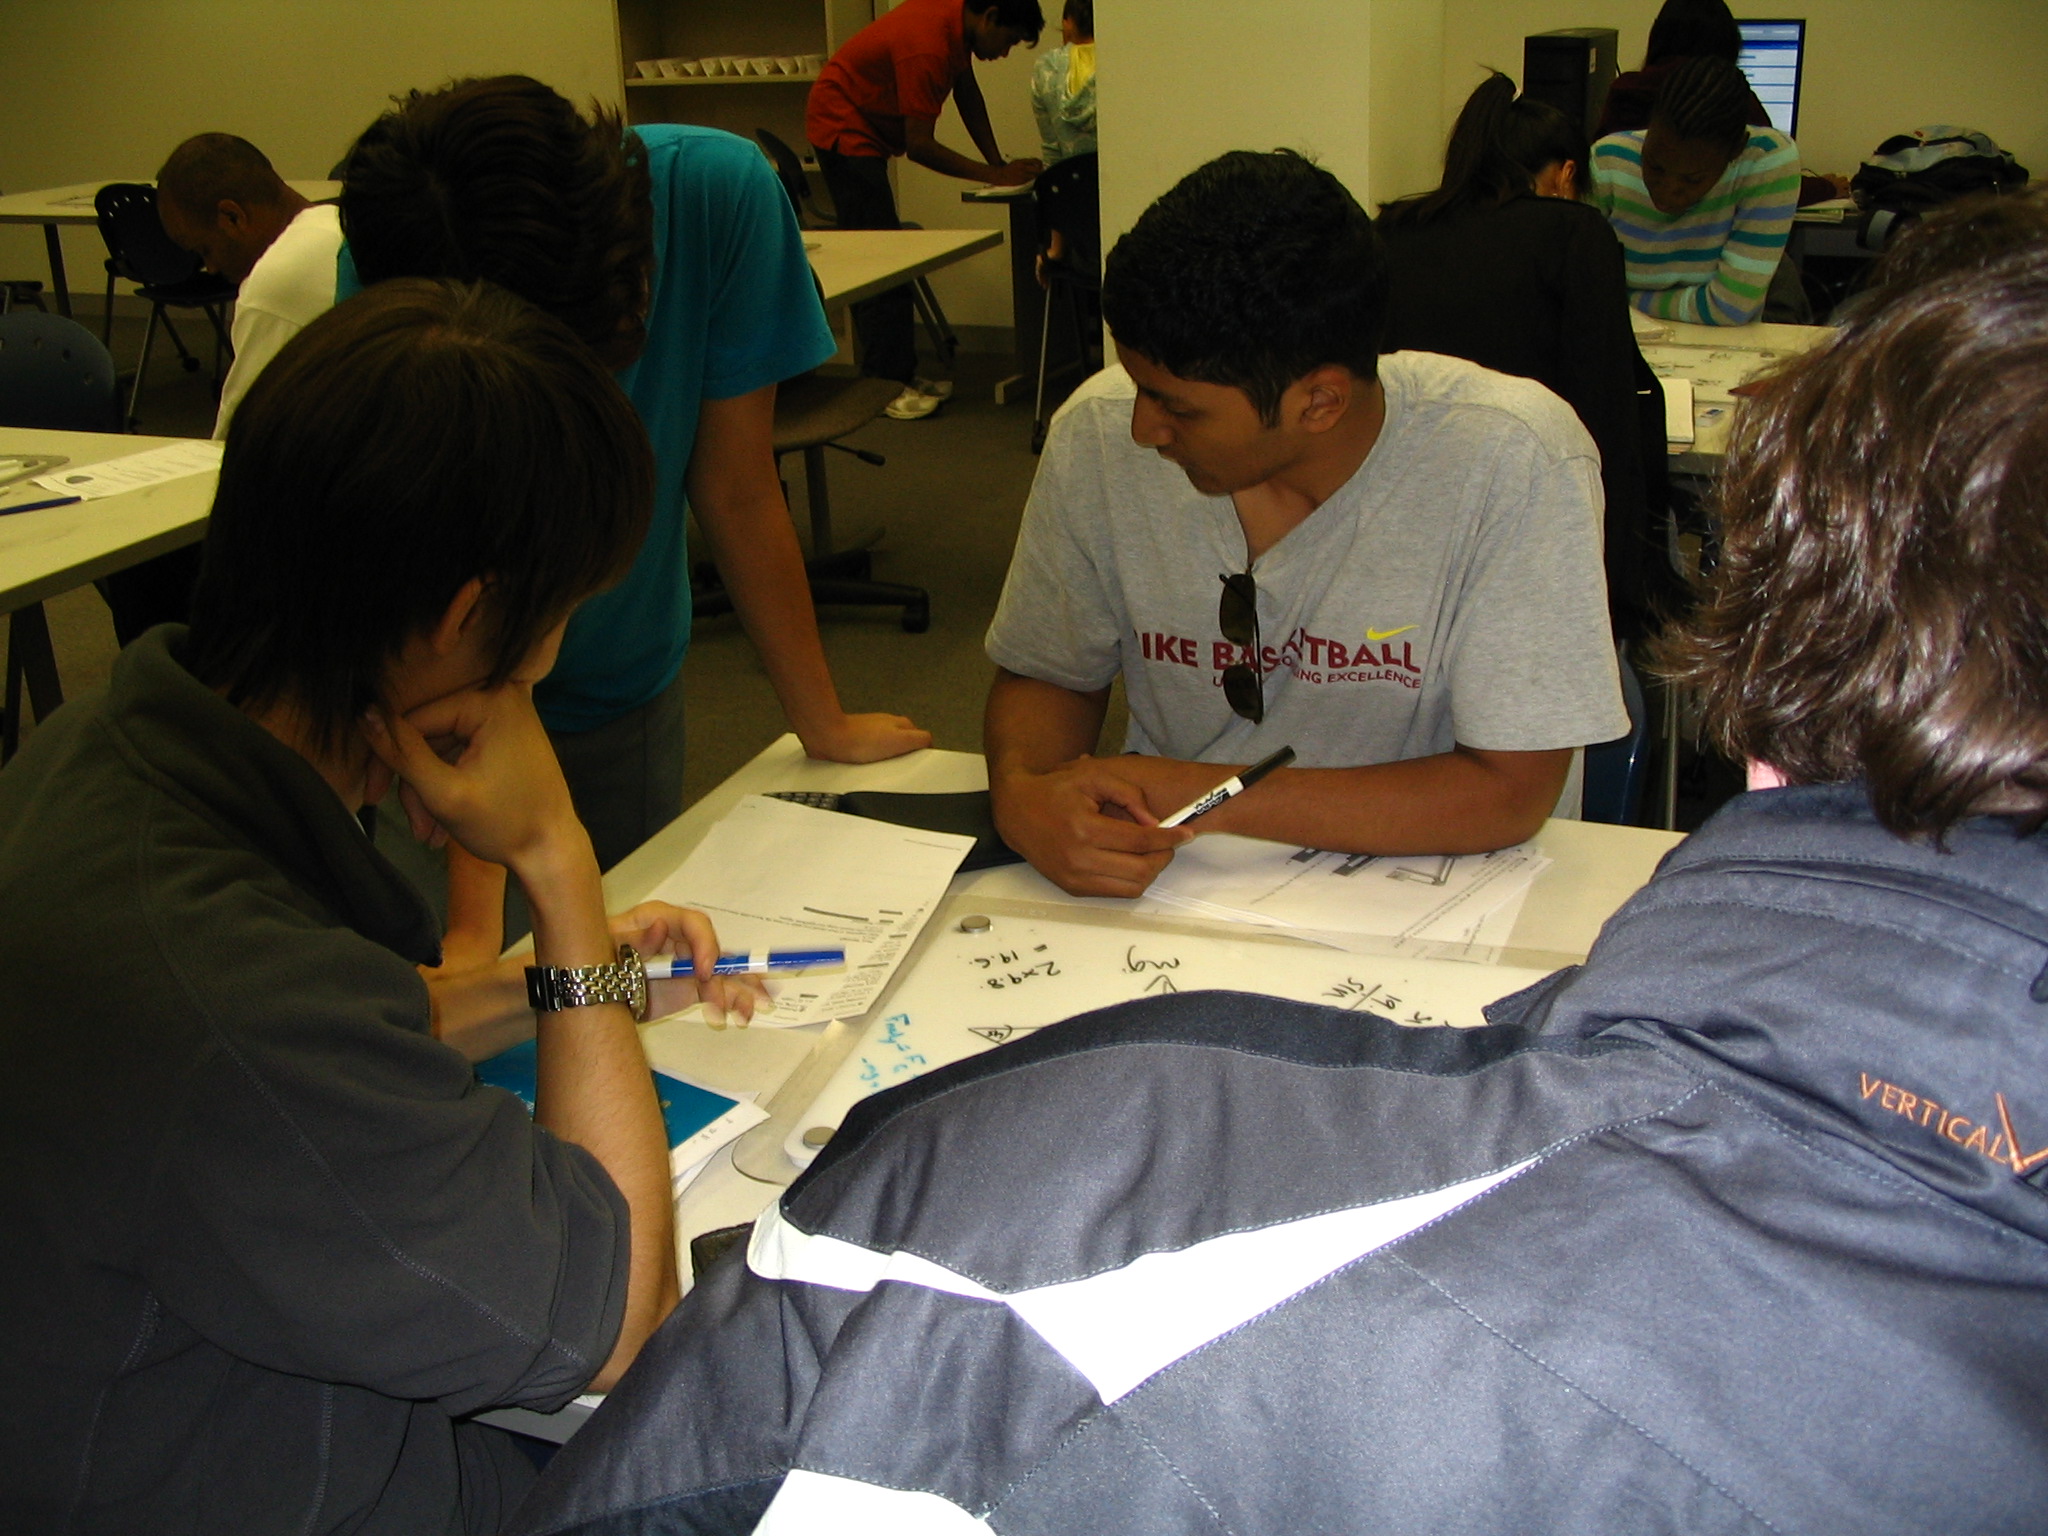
(755, 962)
(37, 506)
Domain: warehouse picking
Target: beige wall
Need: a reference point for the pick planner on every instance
(1369, 86)
(116, 83)
(1873, 67)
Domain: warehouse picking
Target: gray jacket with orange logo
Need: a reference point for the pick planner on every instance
(1739, 1227)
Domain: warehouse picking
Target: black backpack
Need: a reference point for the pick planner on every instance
(1913, 172)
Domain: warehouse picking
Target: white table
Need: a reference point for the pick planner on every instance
(856, 264)
(45, 553)
(1596, 868)
(1700, 352)
(56, 206)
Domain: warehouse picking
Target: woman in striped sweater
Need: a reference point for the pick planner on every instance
(1702, 201)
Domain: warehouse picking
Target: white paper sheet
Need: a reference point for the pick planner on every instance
(1420, 900)
(131, 472)
(775, 875)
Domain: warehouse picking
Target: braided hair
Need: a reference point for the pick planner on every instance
(1686, 29)
(1498, 146)
(1705, 100)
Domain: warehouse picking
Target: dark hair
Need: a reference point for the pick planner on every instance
(1082, 14)
(1693, 29)
(210, 168)
(1880, 608)
(1021, 16)
(415, 437)
(1498, 145)
(1251, 271)
(1707, 100)
(503, 180)
(1966, 235)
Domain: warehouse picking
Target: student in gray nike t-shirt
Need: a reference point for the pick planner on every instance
(1421, 538)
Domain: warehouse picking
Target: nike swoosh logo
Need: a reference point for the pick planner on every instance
(1377, 635)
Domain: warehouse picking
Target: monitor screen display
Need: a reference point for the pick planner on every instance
(1771, 58)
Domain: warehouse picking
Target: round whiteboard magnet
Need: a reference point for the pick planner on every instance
(974, 924)
(817, 1135)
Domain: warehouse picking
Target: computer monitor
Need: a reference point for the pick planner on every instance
(1772, 54)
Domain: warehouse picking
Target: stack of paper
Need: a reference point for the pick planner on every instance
(1418, 902)
(775, 875)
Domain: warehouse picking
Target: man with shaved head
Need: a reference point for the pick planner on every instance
(220, 199)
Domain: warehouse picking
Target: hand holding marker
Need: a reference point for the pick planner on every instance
(1229, 788)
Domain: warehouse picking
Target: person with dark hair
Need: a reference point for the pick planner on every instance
(1737, 1226)
(1703, 203)
(880, 96)
(271, 1245)
(1964, 236)
(1278, 537)
(220, 199)
(1063, 88)
(1504, 265)
(672, 251)
(1683, 29)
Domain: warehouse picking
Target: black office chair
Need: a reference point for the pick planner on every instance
(54, 374)
(164, 273)
(789, 170)
(811, 414)
(1070, 202)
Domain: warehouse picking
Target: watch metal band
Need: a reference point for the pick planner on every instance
(551, 988)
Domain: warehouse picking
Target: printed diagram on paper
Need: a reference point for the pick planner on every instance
(1714, 371)
(1338, 898)
(973, 992)
(775, 875)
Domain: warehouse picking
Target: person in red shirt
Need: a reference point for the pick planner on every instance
(880, 96)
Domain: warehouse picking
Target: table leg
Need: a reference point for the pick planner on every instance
(55, 247)
(31, 659)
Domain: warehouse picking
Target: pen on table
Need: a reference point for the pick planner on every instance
(1229, 787)
(37, 506)
(754, 962)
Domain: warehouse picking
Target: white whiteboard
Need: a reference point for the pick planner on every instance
(971, 992)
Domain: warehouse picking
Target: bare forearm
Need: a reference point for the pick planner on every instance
(594, 1089)
(1455, 802)
(934, 156)
(762, 565)
(1031, 726)
(973, 111)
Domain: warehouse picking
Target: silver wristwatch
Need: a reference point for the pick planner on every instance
(551, 988)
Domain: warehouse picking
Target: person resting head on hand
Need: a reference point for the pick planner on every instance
(317, 1247)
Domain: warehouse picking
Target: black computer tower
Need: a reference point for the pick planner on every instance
(1571, 70)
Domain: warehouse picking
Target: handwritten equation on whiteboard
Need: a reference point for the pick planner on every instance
(973, 992)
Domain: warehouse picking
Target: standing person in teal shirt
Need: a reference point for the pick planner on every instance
(672, 251)
(1702, 201)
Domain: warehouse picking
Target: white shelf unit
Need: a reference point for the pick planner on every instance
(697, 29)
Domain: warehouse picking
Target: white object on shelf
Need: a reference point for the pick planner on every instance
(650, 69)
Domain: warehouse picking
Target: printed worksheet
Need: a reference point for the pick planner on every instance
(776, 875)
(131, 472)
(1416, 899)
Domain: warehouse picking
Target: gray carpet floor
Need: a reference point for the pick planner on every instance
(943, 513)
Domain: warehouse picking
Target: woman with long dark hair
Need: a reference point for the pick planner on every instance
(1501, 264)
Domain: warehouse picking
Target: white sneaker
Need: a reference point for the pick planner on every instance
(940, 389)
(912, 405)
